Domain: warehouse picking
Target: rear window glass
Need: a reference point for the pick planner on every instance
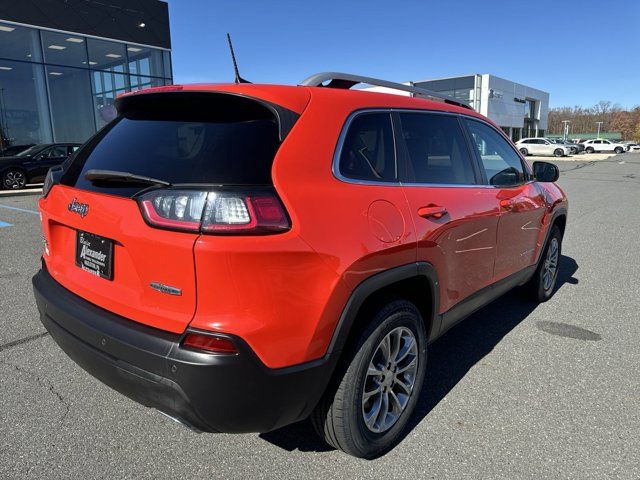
(196, 140)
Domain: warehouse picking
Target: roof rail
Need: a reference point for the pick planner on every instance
(347, 80)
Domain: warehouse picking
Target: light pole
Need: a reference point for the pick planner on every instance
(599, 124)
(566, 128)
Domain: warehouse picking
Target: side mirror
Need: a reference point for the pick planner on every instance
(508, 176)
(545, 172)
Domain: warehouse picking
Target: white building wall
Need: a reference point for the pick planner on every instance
(386, 90)
(497, 101)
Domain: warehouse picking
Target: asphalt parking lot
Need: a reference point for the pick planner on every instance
(518, 390)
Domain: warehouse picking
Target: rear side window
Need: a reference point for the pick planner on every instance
(436, 149)
(501, 162)
(368, 152)
(183, 139)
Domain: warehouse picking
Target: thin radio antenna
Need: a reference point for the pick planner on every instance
(238, 78)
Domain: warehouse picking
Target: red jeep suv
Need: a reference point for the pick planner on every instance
(242, 257)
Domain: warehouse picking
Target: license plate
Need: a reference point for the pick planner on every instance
(94, 254)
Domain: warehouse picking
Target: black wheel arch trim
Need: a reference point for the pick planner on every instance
(558, 212)
(377, 282)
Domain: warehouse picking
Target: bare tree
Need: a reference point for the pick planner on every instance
(583, 119)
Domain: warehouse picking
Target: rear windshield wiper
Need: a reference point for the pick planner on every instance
(94, 175)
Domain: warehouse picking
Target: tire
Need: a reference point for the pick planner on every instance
(574, 151)
(558, 152)
(340, 416)
(14, 179)
(539, 287)
(524, 151)
(590, 150)
(618, 150)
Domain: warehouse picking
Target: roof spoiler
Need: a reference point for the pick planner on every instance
(347, 80)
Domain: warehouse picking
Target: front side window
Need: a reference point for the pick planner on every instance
(501, 163)
(54, 152)
(436, 149)
(368, 152)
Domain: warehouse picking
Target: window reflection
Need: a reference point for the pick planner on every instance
(145, 61)
(139, 82)
(24, 116)
(105, 55)
(64, 49)
(57, 86)
(71, 106)
(106, 86)
(19, 43)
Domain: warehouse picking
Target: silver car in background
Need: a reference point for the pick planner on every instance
(575, 147)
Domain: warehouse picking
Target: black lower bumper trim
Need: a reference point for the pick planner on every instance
(214, 393)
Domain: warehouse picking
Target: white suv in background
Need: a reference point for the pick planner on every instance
(601, 145)
(542, 146)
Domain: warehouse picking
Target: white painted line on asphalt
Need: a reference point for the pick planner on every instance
(4, 224)
(20, 209)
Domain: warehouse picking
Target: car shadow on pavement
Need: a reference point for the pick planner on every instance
(450, 358)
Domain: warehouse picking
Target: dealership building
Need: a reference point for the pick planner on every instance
(63, 62)
(521, 111)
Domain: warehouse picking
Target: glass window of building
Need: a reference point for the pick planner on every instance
(71, 105)
(167, 64)
(24, 116)
(145, 61)
(139, 82)
(106, 55)
(106, 86)
(57, 86)
(460, 88)
(64, 49)
(19, 43)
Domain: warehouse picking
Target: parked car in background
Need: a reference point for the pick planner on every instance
(603, 145)
(575, 147)
(31, 165)
(634, 147)
(542, 146)
(14, 150)
(244, 256)
(628, 146)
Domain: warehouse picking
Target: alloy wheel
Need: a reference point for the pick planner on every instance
(390, 379)
(550, 268)
(14, 179)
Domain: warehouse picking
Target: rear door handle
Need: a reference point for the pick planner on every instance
(432, 211)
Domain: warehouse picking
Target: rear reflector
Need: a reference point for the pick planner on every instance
(222, 211)
(209, 343)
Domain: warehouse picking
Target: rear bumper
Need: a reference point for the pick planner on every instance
(215, 393)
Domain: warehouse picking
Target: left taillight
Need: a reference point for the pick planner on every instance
(222, 212)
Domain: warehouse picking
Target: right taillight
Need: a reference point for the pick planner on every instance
(239, 212)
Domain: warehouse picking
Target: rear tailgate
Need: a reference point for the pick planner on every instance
(141, 255)
(187, 142)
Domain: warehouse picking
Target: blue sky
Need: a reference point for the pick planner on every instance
(581, 51)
